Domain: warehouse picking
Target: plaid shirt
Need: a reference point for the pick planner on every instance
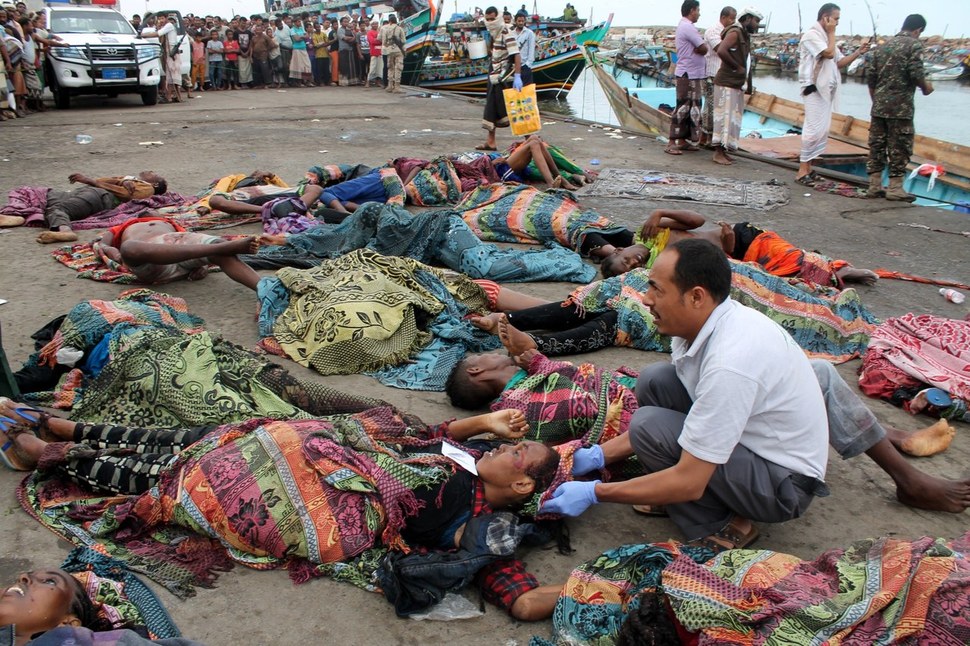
(505, 580)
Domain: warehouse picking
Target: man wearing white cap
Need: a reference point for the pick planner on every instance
(733, 51)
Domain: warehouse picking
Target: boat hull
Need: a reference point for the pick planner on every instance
(559, 62)
(775, 115)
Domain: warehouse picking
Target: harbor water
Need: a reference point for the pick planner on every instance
(940, 115)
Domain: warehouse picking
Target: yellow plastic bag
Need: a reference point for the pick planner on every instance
(523, 110)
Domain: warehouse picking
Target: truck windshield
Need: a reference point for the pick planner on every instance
(90, 22)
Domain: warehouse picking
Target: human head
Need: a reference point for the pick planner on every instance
(687, 281)
(392, 19)
(513, 472)
(649, 625)
(914, 24)
(374, 25)
(475, 381)
(156, 180)
(507, 17)
(520, 21)
(623, 260)
(344, 21)
(829, 9)
(136, 20)
(750, 19)
(41, 600)
(491, 13)
(214, 34)
(728, 15)
(287, 20)
(691, 9)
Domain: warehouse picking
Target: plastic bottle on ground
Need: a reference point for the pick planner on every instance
(952, 295)
(83, 139)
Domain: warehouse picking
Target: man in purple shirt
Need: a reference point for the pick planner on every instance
(685, 122)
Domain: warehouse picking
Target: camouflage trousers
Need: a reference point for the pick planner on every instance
(890, 143)
(395, 66)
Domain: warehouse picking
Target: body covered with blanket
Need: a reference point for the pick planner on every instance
(297, 494)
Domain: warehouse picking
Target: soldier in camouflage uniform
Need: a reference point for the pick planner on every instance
(895, 71)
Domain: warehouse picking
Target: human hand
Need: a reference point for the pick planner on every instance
(523, 359)
(651, 227)
(76, 178)
(588, 459)
(507, 424)
(571, 498)
(866, 46)
(517, 82)
(829, 24)
(927, 88)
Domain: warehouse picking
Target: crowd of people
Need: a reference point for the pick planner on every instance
(303, 50)
(26, 41)
(713, 73)
(733, 431)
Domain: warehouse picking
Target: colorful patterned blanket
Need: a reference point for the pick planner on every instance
(303, 495)
(520, 213)
(826, 323)
(360, 312)
(602, 592)
(431, 237)
(875, 592)
(913, 350)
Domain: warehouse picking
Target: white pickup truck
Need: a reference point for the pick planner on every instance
(104, 56)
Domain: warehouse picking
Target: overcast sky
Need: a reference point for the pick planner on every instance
(953, 16)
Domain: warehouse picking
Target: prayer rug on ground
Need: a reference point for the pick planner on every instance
(682, 187)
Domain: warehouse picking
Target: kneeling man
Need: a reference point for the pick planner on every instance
(733, 430)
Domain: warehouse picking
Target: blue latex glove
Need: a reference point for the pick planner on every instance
(586, 460)
(572, 498)
(517, 82)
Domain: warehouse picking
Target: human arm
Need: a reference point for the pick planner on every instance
(107, 245)
(536, 604)
(916, 70)
(695, 38)
(828, 26)
(507, 424)
(723, 50)
(124, 189)
(681, 220)
(847, 60)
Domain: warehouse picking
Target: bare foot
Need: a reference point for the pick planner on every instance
(272, 240)
(720, 157)
(557, 182)
(514, 340)
(11, 221)
(508, 424)
(48, 237)
(928, 492)
(242, 245)
(928, 441)
(853, 275)
(28, 448)
(489, 323)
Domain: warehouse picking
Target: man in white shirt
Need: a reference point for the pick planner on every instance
(713, 38)
(733, 430)
(526, 38)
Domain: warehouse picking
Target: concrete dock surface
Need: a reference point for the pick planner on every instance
(288, 131)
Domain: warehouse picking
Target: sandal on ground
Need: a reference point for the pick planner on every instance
(655, 511)
(805, 180)
(728, 538)
(31, 419)
(673, 150)
(485, 147)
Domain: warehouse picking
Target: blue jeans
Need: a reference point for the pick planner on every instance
(215, 73)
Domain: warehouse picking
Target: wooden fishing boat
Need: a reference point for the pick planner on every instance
(646, 61)
(418, 18)
(769, 121)
(559, 62)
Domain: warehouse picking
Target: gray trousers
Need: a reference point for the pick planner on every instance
(65, 206)
(746, 485)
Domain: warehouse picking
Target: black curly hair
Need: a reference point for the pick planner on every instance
(649, 625)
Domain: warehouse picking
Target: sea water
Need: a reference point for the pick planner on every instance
(939, 115)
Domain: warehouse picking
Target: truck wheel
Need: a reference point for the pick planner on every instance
(150, 96)
(62, 98)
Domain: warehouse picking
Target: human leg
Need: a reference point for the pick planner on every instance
(65, 206)
(658, 385)
(226, 205)
(532, 150)
(899, 148)
(172, 256)
(570, 331)
(853, 429)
